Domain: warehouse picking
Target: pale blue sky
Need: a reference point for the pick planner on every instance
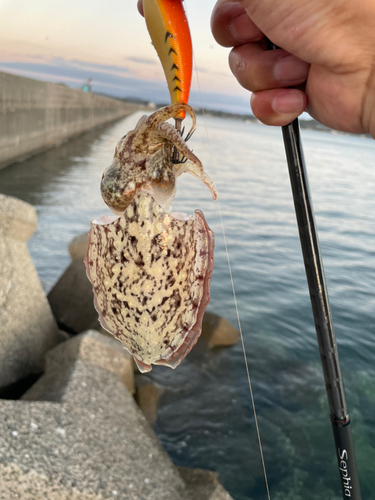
(68, 40)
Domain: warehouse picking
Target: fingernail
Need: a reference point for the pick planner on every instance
(290, 102)
(290, 69)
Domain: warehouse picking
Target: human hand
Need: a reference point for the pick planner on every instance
(328, 57)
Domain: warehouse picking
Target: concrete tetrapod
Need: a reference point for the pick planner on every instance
(78, 434)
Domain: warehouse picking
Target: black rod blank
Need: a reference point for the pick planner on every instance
(321, 312)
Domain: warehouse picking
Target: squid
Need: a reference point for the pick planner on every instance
(151, 269)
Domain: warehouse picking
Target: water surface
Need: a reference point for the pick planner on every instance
(206, 419)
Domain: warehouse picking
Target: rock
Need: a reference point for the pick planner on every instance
(98, 327)
(85, 438)
(78, 246)
(217, 331)
(135, 367)
(72, 300)
(147, 396)
(203, 485)
(91, 346)
(27, 327)
(18, 219)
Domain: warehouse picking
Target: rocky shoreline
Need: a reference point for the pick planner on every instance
(76, 414)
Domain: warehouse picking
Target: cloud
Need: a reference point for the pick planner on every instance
(107, 68)
(142, 60)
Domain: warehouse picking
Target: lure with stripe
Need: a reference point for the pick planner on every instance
(169, 30)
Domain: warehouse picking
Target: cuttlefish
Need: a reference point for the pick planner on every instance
(151, 269)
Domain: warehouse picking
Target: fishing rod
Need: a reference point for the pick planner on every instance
(321, 309)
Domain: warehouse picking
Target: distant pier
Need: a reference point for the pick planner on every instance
(36, 115)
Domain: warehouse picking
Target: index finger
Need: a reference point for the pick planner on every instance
(231, 26)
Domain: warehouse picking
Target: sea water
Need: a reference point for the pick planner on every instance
(205, 416)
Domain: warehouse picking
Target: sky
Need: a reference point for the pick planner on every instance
(68, 41)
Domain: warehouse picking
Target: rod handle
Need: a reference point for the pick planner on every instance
(346, 460)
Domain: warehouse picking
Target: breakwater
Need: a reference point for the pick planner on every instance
(35, 115)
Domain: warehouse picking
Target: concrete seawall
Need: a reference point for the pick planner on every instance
(36, 115)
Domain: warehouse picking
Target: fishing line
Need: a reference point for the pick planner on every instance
(232, 282)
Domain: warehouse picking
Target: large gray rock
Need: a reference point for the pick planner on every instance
(203, 485)
(85, 438)
(27, 327)
(78, 246)
(91, 347)
(147, 396)
(72, 300)
(217, 331)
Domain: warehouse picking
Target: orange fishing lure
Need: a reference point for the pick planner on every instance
(169, 30)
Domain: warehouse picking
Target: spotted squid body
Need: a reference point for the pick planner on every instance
(151, 269)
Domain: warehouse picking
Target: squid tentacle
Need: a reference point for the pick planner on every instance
(171, 111)
(197, 171)
(194, 166)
